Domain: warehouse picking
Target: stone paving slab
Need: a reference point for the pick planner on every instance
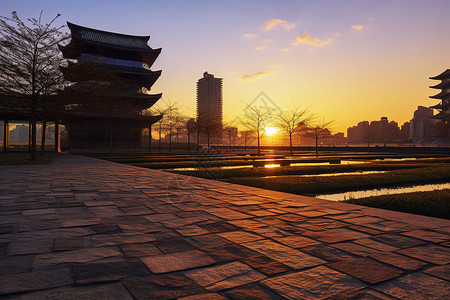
(83, 228)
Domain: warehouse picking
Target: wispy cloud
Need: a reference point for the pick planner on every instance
(250, 35)
(254, 76)
(309, 40)
(278, 23)
(357, 27)
(264, 44)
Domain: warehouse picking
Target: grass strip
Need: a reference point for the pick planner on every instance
(320, 185)
(297, 170)
(432, 203)
(24, 159)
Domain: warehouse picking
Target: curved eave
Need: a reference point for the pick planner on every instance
(441, 106)
(442, 95)
(141, 77)
(76, 44)
(442, 85)
(442, 115)
(144, 120)
(150, 57)
(443, 75)
(151, 119)
(143, 101)
(101, 37)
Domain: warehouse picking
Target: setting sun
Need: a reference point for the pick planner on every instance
(270, 130)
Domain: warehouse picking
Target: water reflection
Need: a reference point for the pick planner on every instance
(330, 174)
(222, 167)
(384, 191)
(272, 166)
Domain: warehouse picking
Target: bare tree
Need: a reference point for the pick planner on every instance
(210, 126)
(318, 130)
(289, 120)
(150, 115)
(255, 119)
(247, 134)
(171, 120)
(231, 133)
(191, 126)
(29, 65)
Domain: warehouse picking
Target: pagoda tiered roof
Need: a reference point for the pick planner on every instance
(444, 114)
(139, 76)
(442, 76)
(444, 105)
(442, 85)
(441, 95)
(112, 44)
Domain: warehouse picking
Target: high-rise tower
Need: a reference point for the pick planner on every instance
(209, 102)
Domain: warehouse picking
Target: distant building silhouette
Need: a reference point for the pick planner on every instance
(442, 128)
(209, 103)
(421, 126)
(381, 131)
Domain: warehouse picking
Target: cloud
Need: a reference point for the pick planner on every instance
(264, 45)
(311, 41)
(277, 23)
(254, 76)
(250, 36)
(357, 27)
(285, 49)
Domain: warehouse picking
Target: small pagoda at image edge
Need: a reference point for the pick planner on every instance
(443, 115)
(116, 68)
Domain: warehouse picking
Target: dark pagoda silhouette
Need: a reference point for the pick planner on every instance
(107, 104)
(443, 115)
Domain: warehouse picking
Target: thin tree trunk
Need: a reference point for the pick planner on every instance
(189, 141)
(317, 146)
(290, 141)
(150, 138)
(33, 139)
(44, 127)
(170, 140)
(159, 140)
(198, 138)
(259, 150)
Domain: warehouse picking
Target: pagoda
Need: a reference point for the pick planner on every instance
(443, 107)
(111, 75)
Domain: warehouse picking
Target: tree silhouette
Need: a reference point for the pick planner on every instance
(255, 119)
(319, 130)
(289, 120)
(29, 66)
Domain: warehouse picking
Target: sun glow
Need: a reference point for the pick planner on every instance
(270, 130)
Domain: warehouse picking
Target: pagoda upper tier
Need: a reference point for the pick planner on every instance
(444, 95)
(442, 76)
(109, 44)
(107, 56)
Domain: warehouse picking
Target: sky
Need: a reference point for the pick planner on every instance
(345, 60)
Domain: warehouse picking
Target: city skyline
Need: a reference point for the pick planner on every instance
(347, 60)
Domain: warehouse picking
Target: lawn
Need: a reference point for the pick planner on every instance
(24, 159)
(433, 203)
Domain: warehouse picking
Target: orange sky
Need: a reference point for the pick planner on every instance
(348, 60)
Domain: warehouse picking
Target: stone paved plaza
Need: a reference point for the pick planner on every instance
(83, 228)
